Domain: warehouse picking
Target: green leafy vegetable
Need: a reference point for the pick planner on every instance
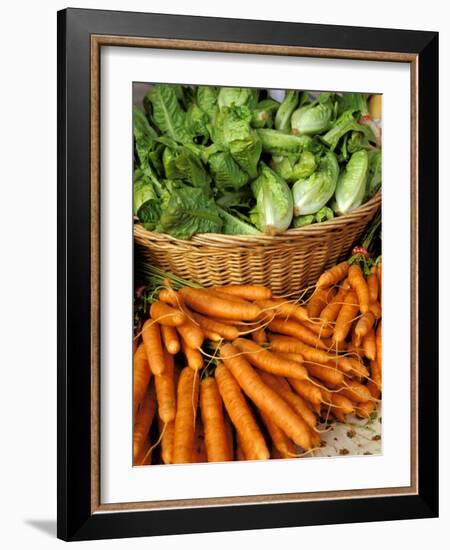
(314, 118)
(351, 185)
(232, 225)
(312, 193)
(301, 221)
(354, 102)
(207, 100)
(344, 124)
(281, 144)
(287, 107)
(263, 113)
(186, 211)
(146, 200)
(182, 163)
(168, 114)
(202, 157)
(274, 207)
(237, 97)
(324, 214)
(226, 172)
(374, 177)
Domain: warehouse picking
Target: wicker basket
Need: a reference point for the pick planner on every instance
(287, 262)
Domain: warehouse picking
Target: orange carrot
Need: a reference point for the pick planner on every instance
(291, 328)
(338, 401)
(292, 345)
(375, 308)
(216, 439)
(229, 432)
(318, 301)
(347, 315)
(141, 376)
(199, 452)
(380, 277)
(280, 440)
(170, 296)
(268, 361)
(307, 391)
(194, 358)
(166, 315)
(333, 275)
(369, 345)
(213, 336)
(280, 308)
(170, 339)
(247, 292)
(330, 312)
(145, 455)
(143, 421)
(356, 392)
(191, 334)
(268, 401)
(151, 336)
(374, 389)
(318, 327)
(378, 340)
(372, 283)
(297, 403)
(167, 440)
(228, 332)
(359, 284)
(352, 365)
(259, 336)
(187, 399)
(165, 390)
(239, 452)
(328, 374)
(250, 437)
(363, 410)
(215, 306)
(363, 326)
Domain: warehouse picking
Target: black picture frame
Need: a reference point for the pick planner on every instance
(76, 519)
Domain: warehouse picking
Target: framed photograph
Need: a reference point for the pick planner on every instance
(247, 255)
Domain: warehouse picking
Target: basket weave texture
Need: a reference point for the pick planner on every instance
(286, 263)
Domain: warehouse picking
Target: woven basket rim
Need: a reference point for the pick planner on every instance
(313, 229)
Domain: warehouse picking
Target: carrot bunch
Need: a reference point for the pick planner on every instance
(234, 373)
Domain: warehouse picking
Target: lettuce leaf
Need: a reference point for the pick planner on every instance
(186, 211)
(168, 114)
(229, 97)
(146, 202)
(182, 163)
(226, 173)
(207, 100)
(233, 225)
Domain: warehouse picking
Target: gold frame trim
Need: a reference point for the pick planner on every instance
(97, 41)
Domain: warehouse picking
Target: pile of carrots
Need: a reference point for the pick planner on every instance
(234, 373)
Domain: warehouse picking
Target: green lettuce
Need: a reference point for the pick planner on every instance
(168, 114)
(182, 163)
(314, 118)
(238, 97)
(226, 172)
(262, 115)
(351, 185)
(281, 144)
(233, 225)
(274, 207)
(313, 193)
(285, 110)
(186, 211)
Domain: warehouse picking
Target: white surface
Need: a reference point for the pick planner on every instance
(28, 294)
(120, 482)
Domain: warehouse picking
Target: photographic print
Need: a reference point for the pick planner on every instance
(257, 274)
